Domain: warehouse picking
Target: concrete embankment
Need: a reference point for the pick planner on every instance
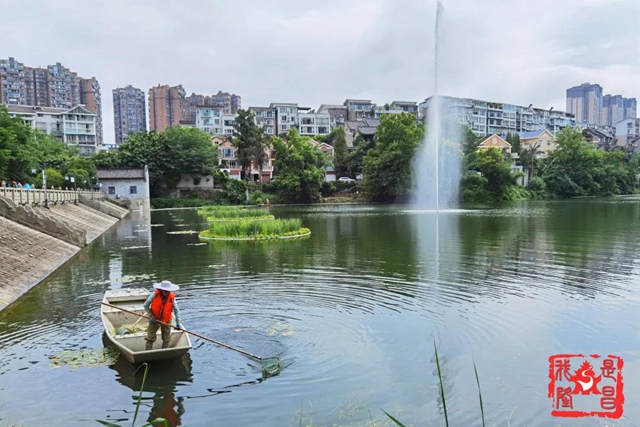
(35, 241)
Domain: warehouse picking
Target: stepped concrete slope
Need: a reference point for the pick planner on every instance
(28, 256)
(35, 241)
(82, 217)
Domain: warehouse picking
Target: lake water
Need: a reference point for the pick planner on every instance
(352, 311)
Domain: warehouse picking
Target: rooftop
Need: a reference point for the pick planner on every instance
(120, 173)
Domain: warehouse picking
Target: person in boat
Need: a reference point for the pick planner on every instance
(161, 306)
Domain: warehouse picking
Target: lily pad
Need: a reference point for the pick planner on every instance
(84, 358)
(183, 232)
(281, 328)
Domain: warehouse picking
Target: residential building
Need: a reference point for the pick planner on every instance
(405, 106)
(228, 124)
(312, 123)
(337, 114)
(75, 126)
(494, 141)
(487, 118)
(209, 119)
(130, 113)
(542, 141)
(330, 172)
(12, 84)
(265, 118)
(359, 109)
(630, 108)
(363, 127)
(286, 116)
(236, 103)
(586, 102)
(64, 87)
(130, 184)
(91, 99)
(613, 110)
(166, 106)
(599, 136)
(227, 161)
(627, 130)
(37, 86)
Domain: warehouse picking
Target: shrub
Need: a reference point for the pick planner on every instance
(537, 188)
(234, 193)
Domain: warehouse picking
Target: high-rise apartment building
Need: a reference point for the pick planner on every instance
(37, 86)
(630, 108)
(12, 87)
(130, 114)
(236, 103)
(54, 86)
(64, 87)
(585, 102)
(90, 97)
(166, 107)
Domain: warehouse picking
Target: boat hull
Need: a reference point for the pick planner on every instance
(132, 345)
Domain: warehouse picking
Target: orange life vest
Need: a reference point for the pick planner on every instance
(162, 310)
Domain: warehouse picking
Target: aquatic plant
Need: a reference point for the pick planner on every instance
(251, 229)
(157, 421)
(224, 212)
(442, 396)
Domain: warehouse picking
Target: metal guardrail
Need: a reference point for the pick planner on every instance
(37, 196)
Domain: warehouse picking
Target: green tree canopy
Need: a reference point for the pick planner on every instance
(300, 168)
(387, 166)
(340, 152)
(167, 154)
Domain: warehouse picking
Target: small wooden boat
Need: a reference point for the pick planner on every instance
(127, 331)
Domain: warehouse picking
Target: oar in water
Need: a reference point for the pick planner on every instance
(271, 366)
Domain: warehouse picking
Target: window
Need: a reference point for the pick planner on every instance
(283, 127)
(269, 131)
(112, 190)
(133, 190)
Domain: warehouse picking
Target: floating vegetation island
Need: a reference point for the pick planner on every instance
(237, 223)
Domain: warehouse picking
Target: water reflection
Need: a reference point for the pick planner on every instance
(164, 381)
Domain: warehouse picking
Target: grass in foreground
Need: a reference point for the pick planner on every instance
(442, 396)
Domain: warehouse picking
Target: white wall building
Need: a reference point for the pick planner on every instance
(75, 126)
(286, 116)
(209, 119)
(312, 123)
(627, 130)
(265, 118)
(131, 184)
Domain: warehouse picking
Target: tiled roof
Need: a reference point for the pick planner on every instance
(29, 109)
(533, 134)
(120, 173)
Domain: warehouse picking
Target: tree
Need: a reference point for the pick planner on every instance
(340, 152)
(300, 168)
(168, 155)
(496, 171)
(387, 166)
(250, 144)
(514, 140)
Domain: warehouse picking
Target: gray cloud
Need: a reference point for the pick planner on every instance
(503, 50)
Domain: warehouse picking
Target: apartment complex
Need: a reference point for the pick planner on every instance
(265, 118)
(312, 123)
(590, 106)
(130, 114)
(487, 118)
(55, 86)
(166, 105)
(73, 126)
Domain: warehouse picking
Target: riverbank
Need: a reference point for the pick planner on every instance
(36, 241)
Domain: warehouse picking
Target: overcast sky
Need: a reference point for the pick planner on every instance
(511, 51)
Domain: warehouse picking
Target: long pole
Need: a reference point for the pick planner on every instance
(188, 332)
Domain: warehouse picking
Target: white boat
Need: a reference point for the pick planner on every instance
(129, 339)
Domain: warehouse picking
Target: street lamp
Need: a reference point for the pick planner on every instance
(71, 179)
(44, 184)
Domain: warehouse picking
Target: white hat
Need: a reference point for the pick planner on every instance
(166, 285)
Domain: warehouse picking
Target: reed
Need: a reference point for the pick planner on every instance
(442, 396)
(156, 422)
(224, 212)
(251, 228)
